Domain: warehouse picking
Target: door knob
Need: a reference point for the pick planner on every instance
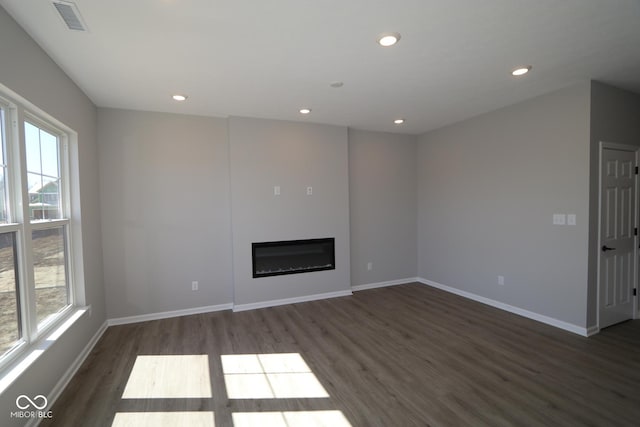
(606, 248)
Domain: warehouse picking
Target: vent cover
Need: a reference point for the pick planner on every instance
(70, 15)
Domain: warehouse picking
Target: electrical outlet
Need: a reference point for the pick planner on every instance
(369, 266)
(309, 191)
(501, 280)
(276, 190)
(194, 285)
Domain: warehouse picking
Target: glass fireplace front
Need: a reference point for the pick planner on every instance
(293, 256)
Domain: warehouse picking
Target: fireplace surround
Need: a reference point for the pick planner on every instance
(292, 257)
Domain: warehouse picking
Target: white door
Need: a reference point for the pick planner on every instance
(617, 236)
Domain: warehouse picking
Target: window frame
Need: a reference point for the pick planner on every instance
(17, 112)
(5, 136)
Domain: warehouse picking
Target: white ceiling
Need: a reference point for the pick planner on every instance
(269, 58)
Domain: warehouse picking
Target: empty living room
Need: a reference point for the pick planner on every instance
(294, 214)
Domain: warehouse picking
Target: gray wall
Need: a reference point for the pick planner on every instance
(29, 72)
(147, 159)
(481, 193)
(267, 153)
(164, 187)
(382, 204)
(487, 190)
(615, 117)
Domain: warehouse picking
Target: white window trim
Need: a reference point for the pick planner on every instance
(34, 340)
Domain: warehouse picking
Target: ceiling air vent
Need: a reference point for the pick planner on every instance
(70, 15)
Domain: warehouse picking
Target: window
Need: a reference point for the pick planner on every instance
(48, 238)
(43, 172)
(36, 286)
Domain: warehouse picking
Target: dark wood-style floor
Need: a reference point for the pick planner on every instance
(406, 355)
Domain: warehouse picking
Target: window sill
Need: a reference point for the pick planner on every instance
(31, 353)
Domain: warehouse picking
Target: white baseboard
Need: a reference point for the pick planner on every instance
(592, 330)
(168, 314)
(512, 309)
(71, 371)
(305, 298)
(383, 284)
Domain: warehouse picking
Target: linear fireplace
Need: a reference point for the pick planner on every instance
(293, 256)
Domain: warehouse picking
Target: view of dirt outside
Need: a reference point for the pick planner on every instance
(50, 279)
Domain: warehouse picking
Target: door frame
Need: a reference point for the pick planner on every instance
(636, 253)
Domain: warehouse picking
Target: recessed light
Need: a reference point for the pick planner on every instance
(521, 71)
(305, 110)
(179, 97)
(388, 39)
(398, 121)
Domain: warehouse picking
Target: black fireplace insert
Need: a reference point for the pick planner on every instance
(293, 256)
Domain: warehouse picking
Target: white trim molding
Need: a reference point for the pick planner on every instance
(384, 284)
(592, 330)
(168, 314)
(305, 298)
(71, 371)
(512, 309)
(26, 359)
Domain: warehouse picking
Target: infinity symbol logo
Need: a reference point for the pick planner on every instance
(21, 405)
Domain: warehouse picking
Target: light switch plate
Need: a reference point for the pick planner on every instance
(559, 219)
(571, 219)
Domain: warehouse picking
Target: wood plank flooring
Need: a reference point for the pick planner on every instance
(406, 355)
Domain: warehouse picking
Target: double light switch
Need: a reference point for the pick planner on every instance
(562, 219)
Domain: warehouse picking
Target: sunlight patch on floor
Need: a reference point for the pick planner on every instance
(290, 419)
(270, 376)
(164, 419)
(169, 377)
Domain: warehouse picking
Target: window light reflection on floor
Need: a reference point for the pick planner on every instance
(270, 376)
(164, 419)
(169, 376)
(290, 419)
